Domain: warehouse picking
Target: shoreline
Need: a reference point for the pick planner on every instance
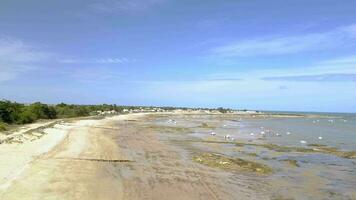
(138, 155)
(16, 157)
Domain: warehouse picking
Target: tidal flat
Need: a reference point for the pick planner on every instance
(293, 164)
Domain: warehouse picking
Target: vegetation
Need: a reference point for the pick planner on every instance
(16, 113)
(2, 126)
(277, 148)
(228, 163)
(223, 110)
(292, 162)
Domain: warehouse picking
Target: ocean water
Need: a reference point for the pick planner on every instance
(314, 176)
(335, 130)
(318, 176)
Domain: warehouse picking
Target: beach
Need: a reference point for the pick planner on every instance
(173, 156)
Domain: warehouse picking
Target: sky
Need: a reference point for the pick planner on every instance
(264, 55)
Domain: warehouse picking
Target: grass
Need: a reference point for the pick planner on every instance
(234, 164)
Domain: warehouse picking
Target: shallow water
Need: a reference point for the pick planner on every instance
(336, 130)
(297, 175)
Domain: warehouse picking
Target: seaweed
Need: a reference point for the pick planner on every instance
(292, 162)
(168, 129)
(233, 164)
(274, 147)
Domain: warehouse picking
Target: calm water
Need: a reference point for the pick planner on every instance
(319, 176)
(337, 130)
(316, 176)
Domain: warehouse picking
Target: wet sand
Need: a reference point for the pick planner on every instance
(134, 156)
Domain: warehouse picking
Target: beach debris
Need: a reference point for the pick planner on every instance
(172, 121)
(291, 162)
(204, 125)
(303, 142)
(223, 162)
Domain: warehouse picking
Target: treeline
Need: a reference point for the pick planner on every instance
(17, 113)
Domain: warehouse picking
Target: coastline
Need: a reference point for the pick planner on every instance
(139, 155)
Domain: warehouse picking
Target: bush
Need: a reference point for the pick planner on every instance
(9, 112)
(2, 126)
(27, 116)
(42, 111)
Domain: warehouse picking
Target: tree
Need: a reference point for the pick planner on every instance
(9, 112)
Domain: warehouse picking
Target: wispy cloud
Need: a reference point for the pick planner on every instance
(277, 45)
(282, 87)
(123, 6)
(331, 70)
(99, 61)
(314, 78)
(95, 75)
(223, 79)
(342, 61)
(341, 69)
(16, 58)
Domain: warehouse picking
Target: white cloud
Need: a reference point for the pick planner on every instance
(99, 61)
(122, 6)
(277, 45)
(17, 58)
(340, 65)
(315, 78)
(334, 69)
(347, 60)
(97, 74)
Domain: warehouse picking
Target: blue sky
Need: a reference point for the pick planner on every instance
(269, 55)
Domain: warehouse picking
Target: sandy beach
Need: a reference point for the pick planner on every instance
(139, 156)
(107, 159)
(43, 168)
